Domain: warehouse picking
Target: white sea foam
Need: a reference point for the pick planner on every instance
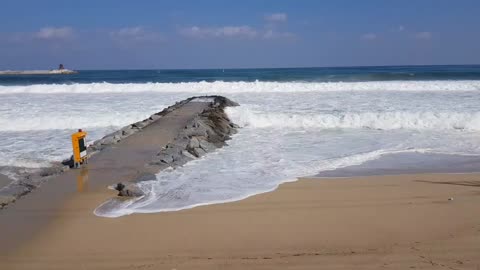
(72, 122)
(213, 179)
(289, 129)
(246, 117)
(374, 120)
(259, 159)
(243, 87)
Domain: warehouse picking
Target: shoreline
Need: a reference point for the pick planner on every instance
(125, 156)
(5, 180)
(248, 196)
(445, 164)
(409, 163)
(199, 125)
(400, 221)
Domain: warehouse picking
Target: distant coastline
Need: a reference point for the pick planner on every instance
(38, 72)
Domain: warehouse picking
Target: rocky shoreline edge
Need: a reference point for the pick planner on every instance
(206, 132)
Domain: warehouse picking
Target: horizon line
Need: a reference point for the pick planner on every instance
(247, 68)
(293, 67)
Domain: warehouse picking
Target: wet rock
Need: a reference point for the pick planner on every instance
(128, 190)
(205, 133)
(208, 147)
(50, 171)
(155, 117)
(6, 199)
(198, 152)
(181, 142)
(188, 154)
(68, 162)
(107, 141)
(128, 131)
(194, 143)
(116, 133)
(195, 132)
(173, 151)
(140, 124)
(16, 189)
(164, 158)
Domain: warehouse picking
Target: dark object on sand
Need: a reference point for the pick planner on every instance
(69, 162)
(129, 190)
(205, 132)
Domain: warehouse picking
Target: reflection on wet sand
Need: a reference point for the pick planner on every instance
(82, 180)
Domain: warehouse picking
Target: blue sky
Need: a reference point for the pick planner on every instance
(146, 34)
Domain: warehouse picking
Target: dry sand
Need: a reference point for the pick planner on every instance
(387, 222)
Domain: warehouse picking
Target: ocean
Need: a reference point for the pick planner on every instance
(294, 122)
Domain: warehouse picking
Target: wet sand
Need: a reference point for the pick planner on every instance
(409, 163)
(388, 222)
(122, 162)
(4, 180)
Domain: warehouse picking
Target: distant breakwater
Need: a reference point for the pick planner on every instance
(38, 72)
(204, 133)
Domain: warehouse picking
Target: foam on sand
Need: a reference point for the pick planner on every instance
(290, 129)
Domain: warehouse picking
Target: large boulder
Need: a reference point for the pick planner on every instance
(128, 190)
(207, 146)
(194, 143)
(198, 152)
(188, 154)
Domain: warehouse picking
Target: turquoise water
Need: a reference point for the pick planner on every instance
(336, 74)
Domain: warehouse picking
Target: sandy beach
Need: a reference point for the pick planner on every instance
(388, 222)
(215, 135)
(408, 221)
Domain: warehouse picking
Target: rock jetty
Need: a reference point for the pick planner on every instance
(206, 132)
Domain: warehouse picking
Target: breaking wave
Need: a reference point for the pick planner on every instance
(290, 129)
(372, 120)
(244, 87)
(71, 122)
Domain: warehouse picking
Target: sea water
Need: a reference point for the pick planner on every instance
(294, 122)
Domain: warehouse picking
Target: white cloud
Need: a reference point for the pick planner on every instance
(129, 31)
(271, 28)
(369, 36)
(54, 33)
(217, 32)
(276, 17)
(423, 35)
(136, 33)
(271, 34)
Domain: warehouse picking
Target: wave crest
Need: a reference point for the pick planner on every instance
(243, 87)
(372, 120)
(73, 122)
